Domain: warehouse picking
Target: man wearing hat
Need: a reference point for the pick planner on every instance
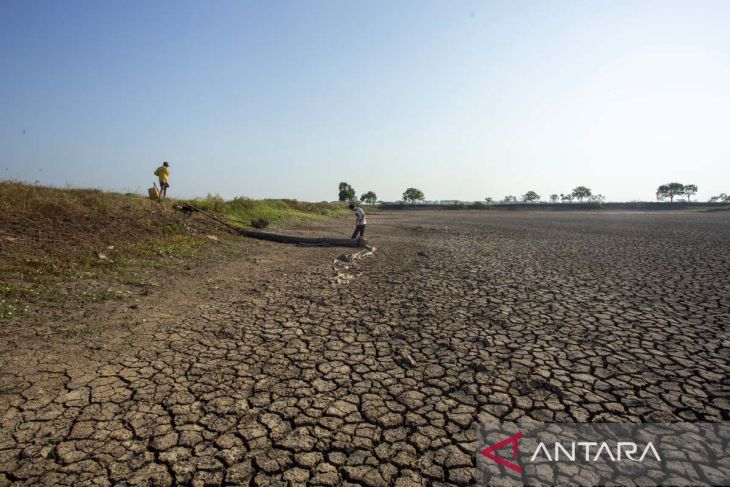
(163, 173)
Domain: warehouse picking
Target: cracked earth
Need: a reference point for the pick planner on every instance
(264, 371)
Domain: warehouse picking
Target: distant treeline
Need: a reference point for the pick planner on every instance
(634, 205)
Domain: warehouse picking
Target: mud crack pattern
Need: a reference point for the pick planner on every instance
(281, 377)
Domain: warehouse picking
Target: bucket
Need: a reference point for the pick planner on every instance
(153, 192)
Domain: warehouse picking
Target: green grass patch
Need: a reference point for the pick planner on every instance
(130, 279)
(100, 296)
(243, 210)
(13, 301)
(178, 246)
(11, 308)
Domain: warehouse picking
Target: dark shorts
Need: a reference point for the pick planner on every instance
(359, 230)
(164, 185)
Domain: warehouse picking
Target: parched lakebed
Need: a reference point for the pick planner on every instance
(265, 370)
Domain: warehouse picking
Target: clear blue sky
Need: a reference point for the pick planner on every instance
(286, 99)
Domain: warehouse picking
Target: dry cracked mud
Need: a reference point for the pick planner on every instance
(264, 371)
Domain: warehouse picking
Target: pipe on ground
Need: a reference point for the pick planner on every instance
(320, 241)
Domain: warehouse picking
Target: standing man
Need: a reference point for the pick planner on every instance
(359, 221)
(163, 173)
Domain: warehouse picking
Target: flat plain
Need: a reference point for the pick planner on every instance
(265, 370)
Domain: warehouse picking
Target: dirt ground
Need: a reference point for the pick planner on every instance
(263, 369)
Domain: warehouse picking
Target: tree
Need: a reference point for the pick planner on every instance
(690, 190)
(721, 198)
(489, 200)
(581, 192)
(553, 198)
(530, 197)
(566, 197)
(347, 193)
(597, 198)
(670, 191)
(412, 195)
(509, 199)
(369, 198)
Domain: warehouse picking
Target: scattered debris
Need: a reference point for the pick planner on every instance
(185, 208)
(260, 223)
(530, 385)
(481, 341)
(212, 237)
(344, 267)
(407, 359)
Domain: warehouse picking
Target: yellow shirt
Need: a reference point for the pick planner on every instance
(163, 173)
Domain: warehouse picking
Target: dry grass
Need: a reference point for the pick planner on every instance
(48, 231)
(49, 235)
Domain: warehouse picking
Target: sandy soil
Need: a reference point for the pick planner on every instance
(262, 369)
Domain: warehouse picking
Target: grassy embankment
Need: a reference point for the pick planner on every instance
(51, 237)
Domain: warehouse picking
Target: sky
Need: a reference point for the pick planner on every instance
(462, 99)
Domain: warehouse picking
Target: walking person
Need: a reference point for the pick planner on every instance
(163, 173)
(359, 221)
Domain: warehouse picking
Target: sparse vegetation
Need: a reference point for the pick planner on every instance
(243, 211)
(99, 296)
(9, 305)
(530, 197)
(132, 279)
(50, 236)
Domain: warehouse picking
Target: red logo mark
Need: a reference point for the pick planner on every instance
(487, 452)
